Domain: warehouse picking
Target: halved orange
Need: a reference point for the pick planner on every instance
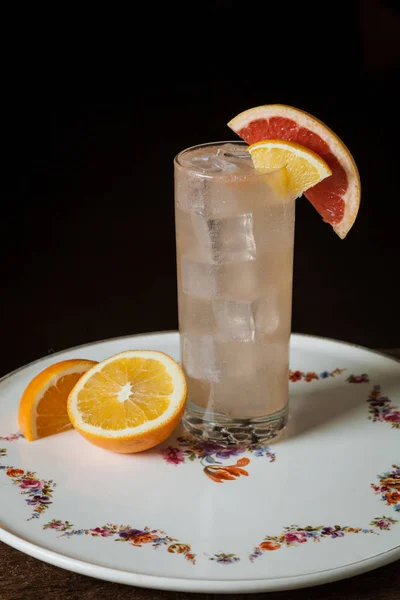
(129, 402)
(43, 405)
(336, 198)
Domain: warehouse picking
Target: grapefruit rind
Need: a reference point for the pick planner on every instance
(352, 195)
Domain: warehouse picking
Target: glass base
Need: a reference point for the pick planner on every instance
(234, 432)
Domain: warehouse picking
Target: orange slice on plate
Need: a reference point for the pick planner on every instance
(129, 402)
(43, 405)
(337, 197)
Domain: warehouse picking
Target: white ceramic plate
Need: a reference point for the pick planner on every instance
(322, 504)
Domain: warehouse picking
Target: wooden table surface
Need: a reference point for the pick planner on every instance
(24, 578)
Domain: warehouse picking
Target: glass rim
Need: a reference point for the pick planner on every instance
(204, 145)
(178, 162)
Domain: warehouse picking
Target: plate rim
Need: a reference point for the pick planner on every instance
(165, 332)
(195, 584)
(180, 584)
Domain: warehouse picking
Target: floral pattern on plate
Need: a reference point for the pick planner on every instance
(125, 533)
(39, 492)
(13, 437)
(219, 474)
(211, 454)
(389, 488)
(363, 378)
(191, 449)
(295, 536)
(383, 523)
(382, 409)
(312, 375)
(225, 559)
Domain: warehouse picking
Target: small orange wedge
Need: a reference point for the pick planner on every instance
(304, 168)
(43, 406)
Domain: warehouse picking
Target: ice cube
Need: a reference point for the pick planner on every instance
(241, 359)
(221, 240)
(232, 238)
(192, 236)
(273, 230)
(262, 393)
(268, 316)
(239, 281)
(266, 313)
(196, 315)
(209, 162)
(237, 155)
(206, 357)
(192, 193)
(199, 359)
(212, 163)
(198, 391)
(273, 312)
(199, 279)
(240, 397)
(217, 181)
(234, 320)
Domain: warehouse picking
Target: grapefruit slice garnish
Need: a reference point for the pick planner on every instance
(336, 198)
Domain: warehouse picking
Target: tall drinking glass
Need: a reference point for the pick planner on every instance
(234, 244)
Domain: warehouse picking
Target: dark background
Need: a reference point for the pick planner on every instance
(97, 105)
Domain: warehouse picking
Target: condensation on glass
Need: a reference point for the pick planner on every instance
(234, 246)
